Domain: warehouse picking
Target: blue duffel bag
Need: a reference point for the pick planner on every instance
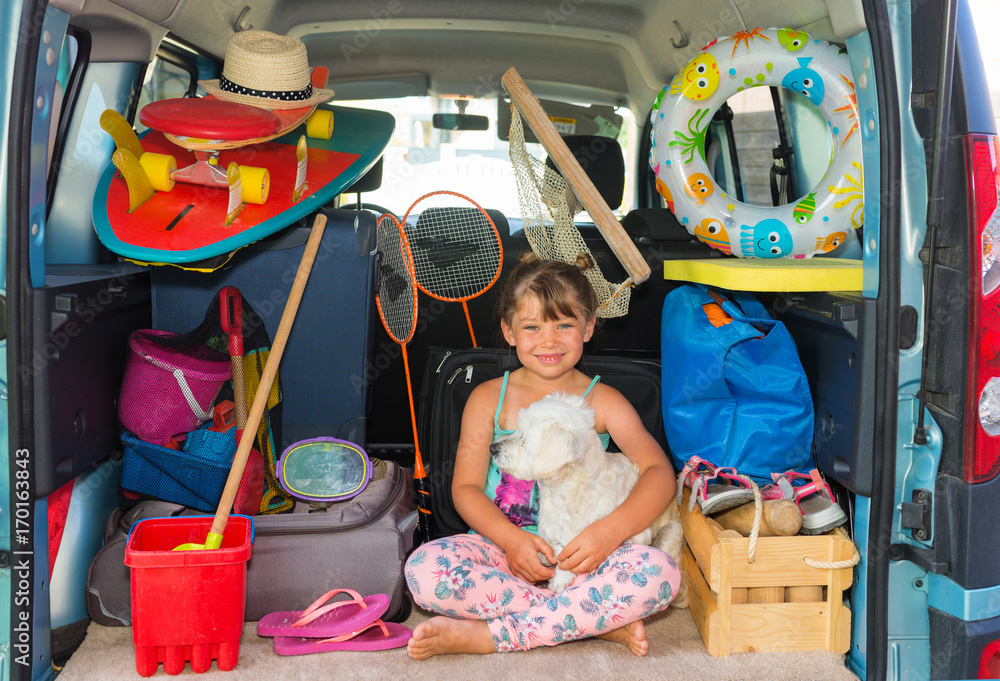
(734, 392)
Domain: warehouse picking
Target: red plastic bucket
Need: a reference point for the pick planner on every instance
(187, 605)
(166, 391)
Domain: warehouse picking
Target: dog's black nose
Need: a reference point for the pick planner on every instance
(494, 449)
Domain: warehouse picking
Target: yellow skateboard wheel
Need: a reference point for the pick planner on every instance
(159, 168)
(319, 125)
(256, 184)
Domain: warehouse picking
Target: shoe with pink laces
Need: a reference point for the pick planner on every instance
(820, 511)
(714, 488)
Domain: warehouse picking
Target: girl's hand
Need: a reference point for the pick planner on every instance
(522, 549)
(590, 548)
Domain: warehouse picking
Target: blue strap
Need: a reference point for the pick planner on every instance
(592, 384)
(738, 305)
(742, 327)
(496, 416)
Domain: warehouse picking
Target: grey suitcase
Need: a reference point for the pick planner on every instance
(358, 544)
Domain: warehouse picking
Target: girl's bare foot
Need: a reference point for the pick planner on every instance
(444, 635)
(631, 635)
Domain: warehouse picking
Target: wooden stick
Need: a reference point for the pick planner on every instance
(804, 594)
(267, 376)
(780, 517)
(766, 594)
(597, 207)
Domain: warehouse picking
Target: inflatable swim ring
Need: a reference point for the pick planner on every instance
(816, 223)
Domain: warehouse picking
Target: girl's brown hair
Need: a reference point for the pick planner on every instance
(561, 288)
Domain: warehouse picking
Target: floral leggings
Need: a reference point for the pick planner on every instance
(467, 576)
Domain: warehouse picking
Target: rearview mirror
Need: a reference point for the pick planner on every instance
(460, 122)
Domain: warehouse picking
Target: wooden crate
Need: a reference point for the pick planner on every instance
(740, 606)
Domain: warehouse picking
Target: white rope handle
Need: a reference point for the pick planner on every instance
(758, 513)
(834, 565)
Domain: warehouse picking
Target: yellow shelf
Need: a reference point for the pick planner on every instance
(760, 274)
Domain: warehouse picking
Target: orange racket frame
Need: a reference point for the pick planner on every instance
(419, 473)
(496, 275)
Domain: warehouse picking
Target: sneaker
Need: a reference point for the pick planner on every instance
(820, 511)
(729, 491)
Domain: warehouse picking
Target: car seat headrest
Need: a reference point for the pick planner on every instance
(498, 218)
(650, 225)
(368, 182)
(602, 159)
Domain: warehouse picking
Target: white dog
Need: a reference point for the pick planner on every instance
(556, 445)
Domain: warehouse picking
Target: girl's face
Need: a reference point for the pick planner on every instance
(548, 347)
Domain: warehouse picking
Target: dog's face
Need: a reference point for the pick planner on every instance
(553, 434)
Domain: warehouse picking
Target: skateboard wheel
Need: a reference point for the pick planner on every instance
(159, 168)
(319, 125)
(256, 183)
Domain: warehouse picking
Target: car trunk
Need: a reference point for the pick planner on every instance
(67, 342)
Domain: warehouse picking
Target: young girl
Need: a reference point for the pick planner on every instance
(486, 584)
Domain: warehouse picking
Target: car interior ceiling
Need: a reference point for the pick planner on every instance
(615, 52)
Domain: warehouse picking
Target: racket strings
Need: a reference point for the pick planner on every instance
(397, 292)
(456, 249)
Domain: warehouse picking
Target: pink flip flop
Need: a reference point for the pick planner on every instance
(332, 619)
(378, 635)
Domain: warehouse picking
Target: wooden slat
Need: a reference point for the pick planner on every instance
(839, 638)
(779, 626)
(739, 594)
(787, 552)
(699, 534)
(722, 574)
(701, 603)
(612, 231)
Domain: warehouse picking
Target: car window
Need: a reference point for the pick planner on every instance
(166, 78)
(774, 169)
(421, 159)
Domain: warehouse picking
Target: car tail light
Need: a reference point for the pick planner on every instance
(982, 421)
(989, 661)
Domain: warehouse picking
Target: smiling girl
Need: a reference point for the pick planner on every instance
(488, 585)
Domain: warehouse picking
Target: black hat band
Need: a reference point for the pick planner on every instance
(227, 85)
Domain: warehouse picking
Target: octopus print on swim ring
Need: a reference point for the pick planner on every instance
(814, 223)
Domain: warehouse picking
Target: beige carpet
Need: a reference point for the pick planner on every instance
(676, 652)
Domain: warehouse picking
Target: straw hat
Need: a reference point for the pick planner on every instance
(266, 70)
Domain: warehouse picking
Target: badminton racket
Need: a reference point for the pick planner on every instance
(397, 306)
(457, 253)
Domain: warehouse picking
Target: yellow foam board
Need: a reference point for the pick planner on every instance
(761, 274)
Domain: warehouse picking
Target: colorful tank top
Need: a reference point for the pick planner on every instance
(518, 499)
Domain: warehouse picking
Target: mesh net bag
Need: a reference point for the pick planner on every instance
(155, 405)
(548, 221)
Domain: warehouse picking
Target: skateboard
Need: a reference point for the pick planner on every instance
(206, 126)
(191, 218)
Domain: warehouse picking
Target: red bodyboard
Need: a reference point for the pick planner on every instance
(192, 216)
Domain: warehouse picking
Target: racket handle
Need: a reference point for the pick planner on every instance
(423, 508)
(465, 306)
